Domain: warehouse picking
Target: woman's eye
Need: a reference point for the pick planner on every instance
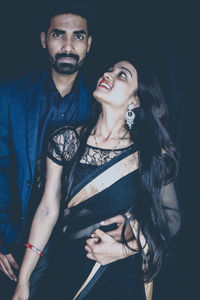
(122, 74)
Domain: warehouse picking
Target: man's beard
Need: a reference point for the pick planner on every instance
(66, 68)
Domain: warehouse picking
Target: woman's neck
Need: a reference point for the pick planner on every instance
(110, 125)
(110, 132)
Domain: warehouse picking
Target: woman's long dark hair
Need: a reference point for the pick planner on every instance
(157, 166)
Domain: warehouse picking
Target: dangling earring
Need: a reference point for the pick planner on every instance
(130, 116)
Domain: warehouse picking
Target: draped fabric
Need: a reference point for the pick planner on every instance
(101, 191)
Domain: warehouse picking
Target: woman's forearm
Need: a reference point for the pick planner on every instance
(41, 229)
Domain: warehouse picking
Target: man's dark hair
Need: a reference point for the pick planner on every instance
(76, 7)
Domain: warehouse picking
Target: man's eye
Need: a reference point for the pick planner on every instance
(57, 35)
(79, 37)
(122, 74)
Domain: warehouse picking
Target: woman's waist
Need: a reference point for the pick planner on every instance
(82, 223)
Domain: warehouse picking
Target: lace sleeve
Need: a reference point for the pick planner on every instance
(171, 208)
(63, 145)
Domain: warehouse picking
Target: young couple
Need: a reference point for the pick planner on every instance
(121, 163)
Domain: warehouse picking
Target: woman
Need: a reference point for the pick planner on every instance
(123, 162)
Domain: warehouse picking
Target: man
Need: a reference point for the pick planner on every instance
(31, 108)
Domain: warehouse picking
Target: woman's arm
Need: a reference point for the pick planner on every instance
(43, 223)
(171, 208)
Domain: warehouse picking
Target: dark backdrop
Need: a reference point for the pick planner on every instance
(162, 31)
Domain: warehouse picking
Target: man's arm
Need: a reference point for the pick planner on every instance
(107, 247)
(5, 195)
(6, 259)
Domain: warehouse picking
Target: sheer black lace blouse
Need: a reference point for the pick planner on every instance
(63, 146)
(65, 142)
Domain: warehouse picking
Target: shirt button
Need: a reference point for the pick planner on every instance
(22, 218)
(28, 183)
(62, 115)
(66, 212)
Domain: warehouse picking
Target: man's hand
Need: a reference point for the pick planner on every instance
(130, 234)
(104, 249)
(7, 263)
(117, 233)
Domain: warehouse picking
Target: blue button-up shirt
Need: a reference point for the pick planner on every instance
(57, 111)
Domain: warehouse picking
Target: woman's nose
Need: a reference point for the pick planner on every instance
(107, 75)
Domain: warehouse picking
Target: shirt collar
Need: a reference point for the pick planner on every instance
(50, 85)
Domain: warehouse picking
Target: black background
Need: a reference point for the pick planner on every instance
(166, 33)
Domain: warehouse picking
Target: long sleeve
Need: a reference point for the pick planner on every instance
(171, 208)
(9, 225)
(5, 152)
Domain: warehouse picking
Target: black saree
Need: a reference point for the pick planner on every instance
(100, 196)
(99, 193)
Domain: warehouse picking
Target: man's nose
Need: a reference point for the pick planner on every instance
(68, 45)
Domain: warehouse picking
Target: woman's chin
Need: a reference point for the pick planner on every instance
(98, 96)
(97, 93)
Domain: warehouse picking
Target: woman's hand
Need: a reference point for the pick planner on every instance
(117, 233)
(21, 291)
(104, 249)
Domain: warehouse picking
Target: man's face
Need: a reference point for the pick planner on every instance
(67, 42)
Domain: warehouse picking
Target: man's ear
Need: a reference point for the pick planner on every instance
(43, 40)
(89, 43)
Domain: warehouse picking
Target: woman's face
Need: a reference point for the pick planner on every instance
(117, 85)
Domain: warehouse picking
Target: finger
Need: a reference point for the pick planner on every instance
(117, 219)
(102, 235)
(12, 261)
(8, 268)
(3, 269)
(93, 235)
(93, 241)
(88, 249)
(116, 233)
(95, 238)
(90, 256)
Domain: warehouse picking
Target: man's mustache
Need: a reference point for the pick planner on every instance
(71, 55)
